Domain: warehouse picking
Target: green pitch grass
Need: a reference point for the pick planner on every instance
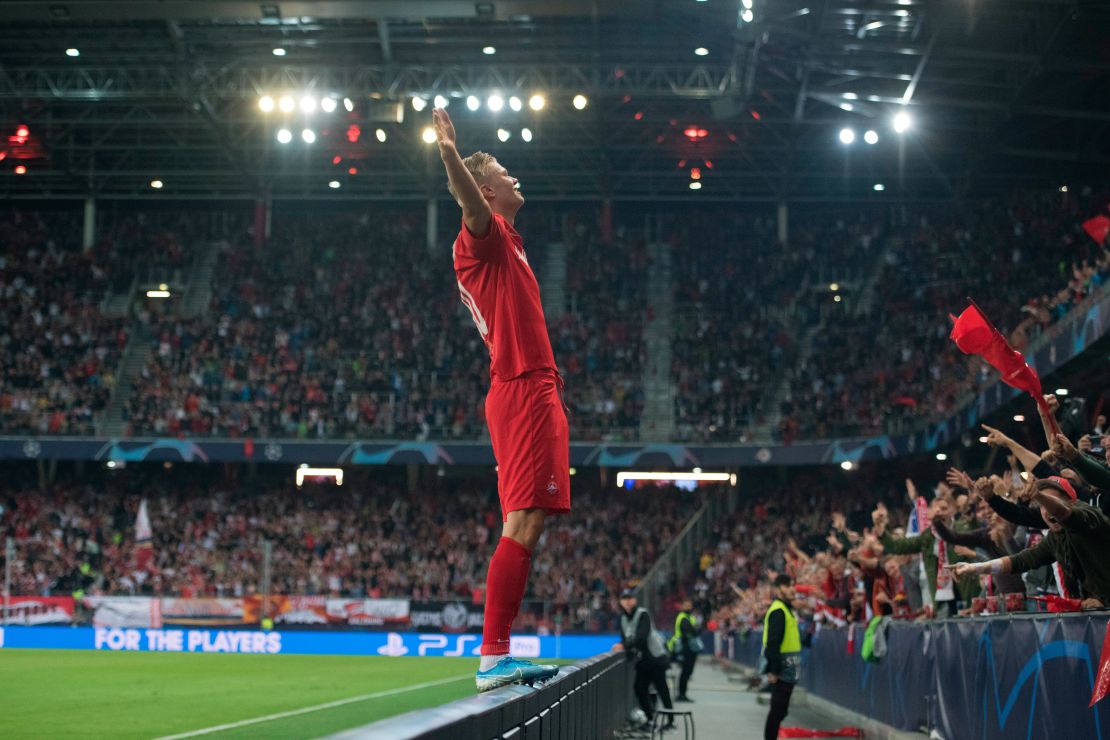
(87, 694)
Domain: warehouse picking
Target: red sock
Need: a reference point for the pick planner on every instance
(508, 574)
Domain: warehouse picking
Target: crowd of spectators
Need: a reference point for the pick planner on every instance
(599, 340)
(58, 353)
(339, 326)
(346, 326)
(161, 246)
(365, 539)
(731, 337)
(884, 363)
(743, 302)
(866, 545)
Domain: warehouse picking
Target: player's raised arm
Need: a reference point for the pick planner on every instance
(476, 211)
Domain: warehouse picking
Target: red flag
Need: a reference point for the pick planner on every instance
(1097, 228)
(975, 335)
(1102, 679)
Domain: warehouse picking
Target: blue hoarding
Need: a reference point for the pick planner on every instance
(393, 644)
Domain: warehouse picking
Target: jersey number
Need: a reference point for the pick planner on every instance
(472, 306)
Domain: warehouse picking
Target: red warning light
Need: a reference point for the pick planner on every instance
(708, 164)
(336, 159)
(22, 133)
(755, 115)
(20, 169)
(693, 133)
(353, 132)
(695, 173)
(639, 115)
(352, 170)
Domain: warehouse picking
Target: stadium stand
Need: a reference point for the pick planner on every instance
(316, 334)
(58, 353)
(365, 540)
(826, 288)
(930, 262)
(339, 327)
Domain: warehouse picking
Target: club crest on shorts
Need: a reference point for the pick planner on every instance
(552, 486)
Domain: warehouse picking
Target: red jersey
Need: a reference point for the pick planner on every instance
(498, 288)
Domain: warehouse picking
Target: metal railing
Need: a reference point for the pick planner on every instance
(588, 700)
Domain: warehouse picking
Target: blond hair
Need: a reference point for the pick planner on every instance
(478, 165)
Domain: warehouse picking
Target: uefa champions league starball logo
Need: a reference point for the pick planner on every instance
(32, 449)
(273, 452)
(455, 616)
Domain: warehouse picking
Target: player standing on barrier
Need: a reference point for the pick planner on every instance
(524, 409)
(782, 653)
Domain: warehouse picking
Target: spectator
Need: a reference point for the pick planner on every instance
(1079, 535)
(935, 553)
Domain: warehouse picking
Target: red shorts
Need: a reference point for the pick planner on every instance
(531, 442)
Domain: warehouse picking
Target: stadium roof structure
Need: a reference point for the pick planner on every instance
(117, 93)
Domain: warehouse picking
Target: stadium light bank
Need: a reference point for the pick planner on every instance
(306, 472)
(698, 476)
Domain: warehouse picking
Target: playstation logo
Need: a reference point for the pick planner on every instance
(394, 646)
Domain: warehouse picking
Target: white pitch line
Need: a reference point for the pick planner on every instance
(317, 708)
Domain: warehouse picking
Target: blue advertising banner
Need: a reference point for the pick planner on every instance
(393, 644)
(1017, 677)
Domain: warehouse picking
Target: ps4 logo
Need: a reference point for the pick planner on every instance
(452, 646)
(437, 645)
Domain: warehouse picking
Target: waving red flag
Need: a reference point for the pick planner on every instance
(975, 335)
(1097, 228)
